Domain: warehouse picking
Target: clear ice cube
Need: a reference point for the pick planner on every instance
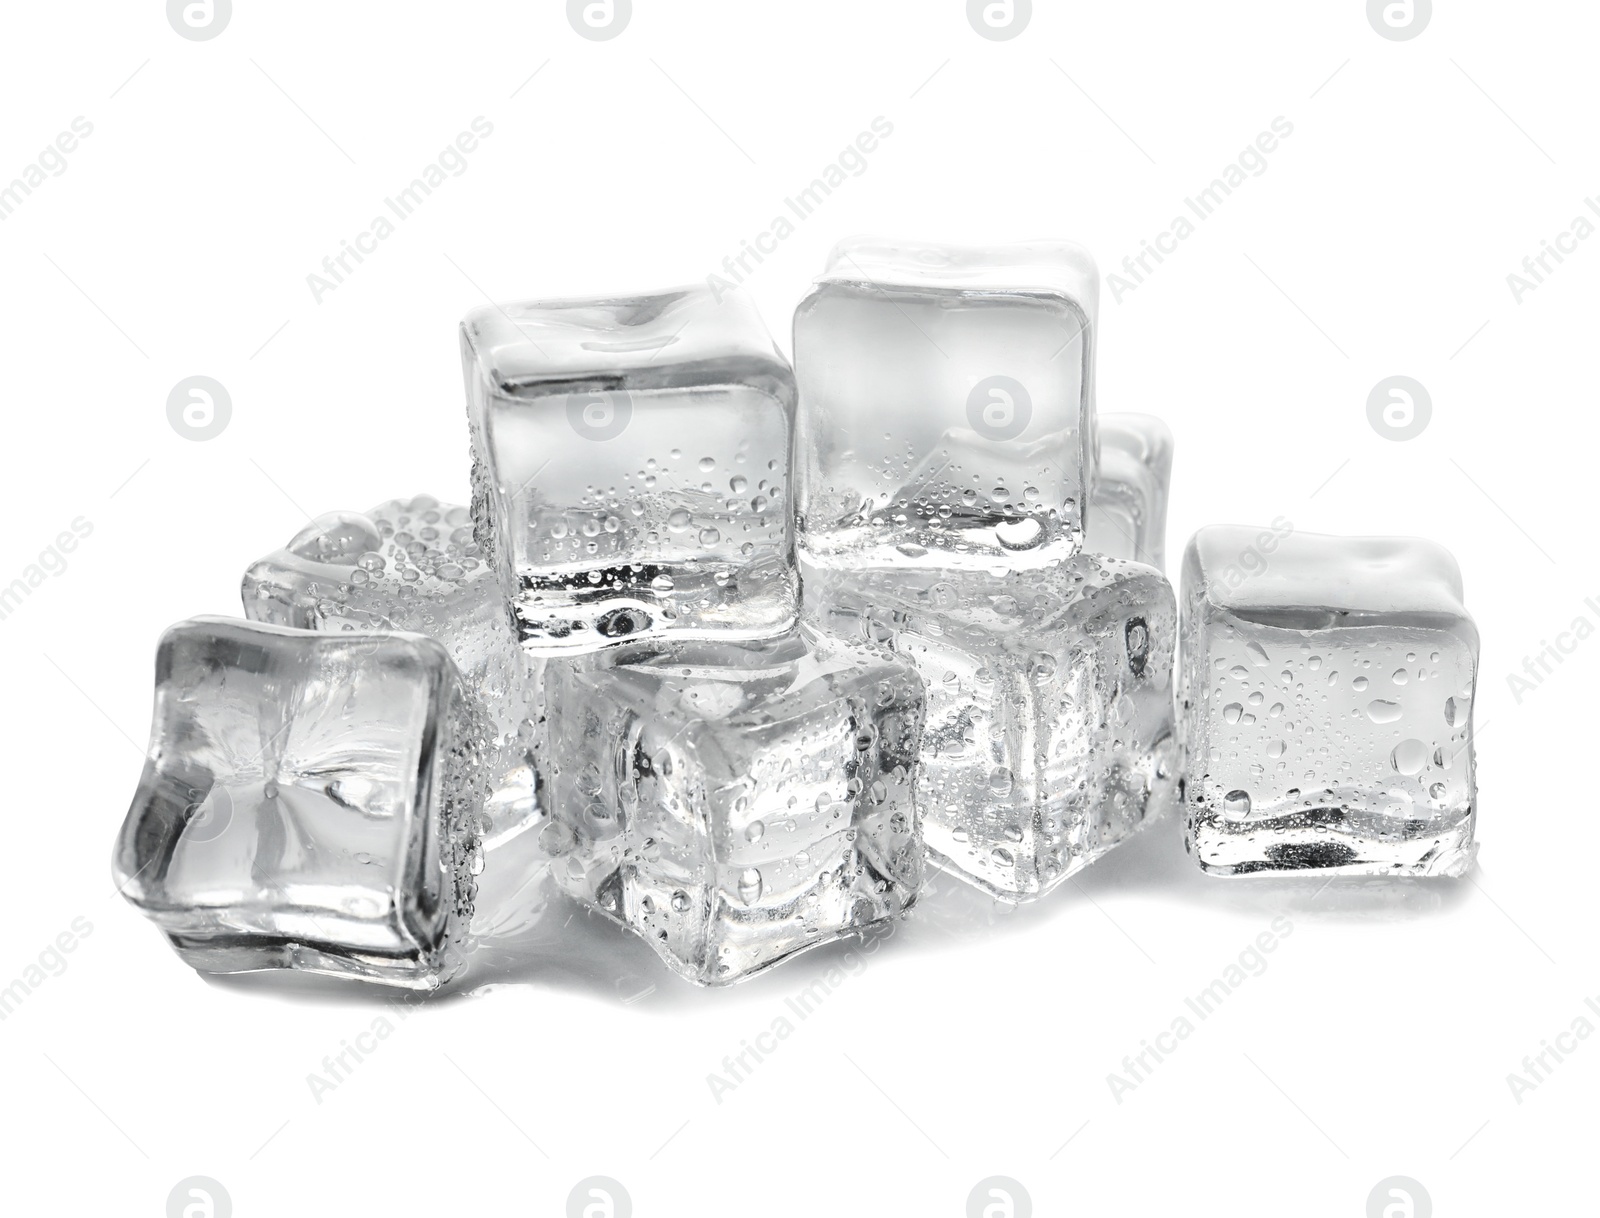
(1049, 735)
(310, 801)
(1128, 510)
(631, 467)
(737, 803)
(946, 413)
(1327, 691)
(413, 565)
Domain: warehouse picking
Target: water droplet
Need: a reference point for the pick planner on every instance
(1000, 780)
(1257, 653)
(1136, 636)
(1359, 684)
(1232, 712)
(1381, 711)
(556, 839)
(754, 830)
(1450, 712)
(1043, 666)
(1409, 757)
(1236, 803)
(1401, 676)
(709, 536)
(679, 520)
(1021, 534)
(1437, 790)
(749, 886)
(1275, 749)
(680, 901)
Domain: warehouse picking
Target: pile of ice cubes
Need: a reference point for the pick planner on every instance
(748, 649)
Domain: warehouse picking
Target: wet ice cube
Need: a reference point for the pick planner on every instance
(1128, 510)
(737, 803)
(946, 413)
(1049, 735)
(630, 471)
(1327, 693)
(413, 564)
(309, 802)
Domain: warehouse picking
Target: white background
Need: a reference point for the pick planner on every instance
(219, 174)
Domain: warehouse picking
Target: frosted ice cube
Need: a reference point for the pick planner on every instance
(631, 462)
(1049, 735)
(1327, 691)
(412, 564)
(737, 803)
(946, 412)
(1128, 510)
(310, 802)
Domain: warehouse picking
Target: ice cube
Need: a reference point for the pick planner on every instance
(1049, 735)
(310, 802)
(946, 413)
(631, 461)
(1327, 693)
(412, 564)
(1128, 510)
(736, 803)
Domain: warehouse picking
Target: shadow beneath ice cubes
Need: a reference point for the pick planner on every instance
(528, 933)
(1153, 866)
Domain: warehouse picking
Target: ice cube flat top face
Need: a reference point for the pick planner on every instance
(1046, 267)
(946, 408)
(1049, 735)
(389, 568)
(290, 795)
(632, 463)
(1128, 510)
(1329, 706)
(735, 804)
(683, 338)
(1275, 570)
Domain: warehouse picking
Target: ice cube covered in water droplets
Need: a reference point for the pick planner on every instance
(1050, 733)
(946, 415)
(630, 467)
(1362, 655)
(736, 803)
